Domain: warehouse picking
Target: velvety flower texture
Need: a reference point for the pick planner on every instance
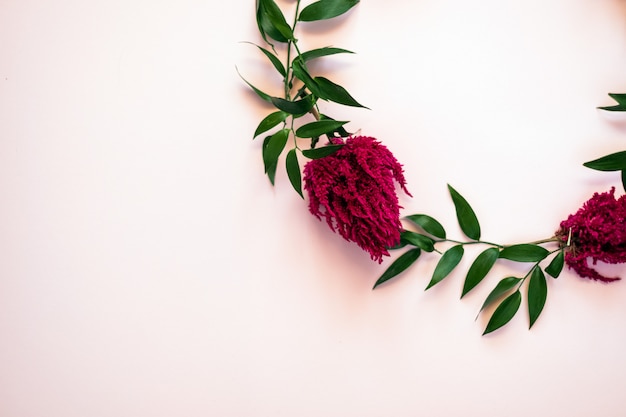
(354, 190)
(598, 232)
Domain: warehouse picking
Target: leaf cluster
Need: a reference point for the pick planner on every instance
(302, 89)
(507, 293)
(615, 161)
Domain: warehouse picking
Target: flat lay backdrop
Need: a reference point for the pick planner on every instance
(148, 268)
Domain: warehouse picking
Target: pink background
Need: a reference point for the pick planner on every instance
(147, 267)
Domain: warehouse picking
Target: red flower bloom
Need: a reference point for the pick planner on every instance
(353, 190)
(598, 231)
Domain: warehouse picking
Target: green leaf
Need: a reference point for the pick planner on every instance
(421, 241)
(318, 128)
(465, 215)
(613, 162)
(504, 286)
(273, 59)
(537, 294)
(326, 9)
(624, 179)
(301, 72)
(399, 265)
(429, 225)
(321, 152)
(264, 24)
(271, 21)
(524, 253)
(266, 28)
(479, 269)
(504, 312)
(297, 107)
(270, 121)
(336, 93)
(260, 93)
(449, 260)
(293, 171)
(272, 148)
(270, 169)
(621, 103)
(556, 265)
(340, 131)
(320, 52)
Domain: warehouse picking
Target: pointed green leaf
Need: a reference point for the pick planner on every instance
(266, 28)
(624, 179)
(620, 98)
(293, 171)
(272, 148)
(301, 72)
(270, 169)
(341, 132)
(320, 52)
(479, 269)
(264, 24)
(325, 9)
(336, 93)
(621, 103)
(537, 294)
(504, 312)
(260, 93)
(272, 120)
(556, 265)
(318, 128)
(421, 241)
(504, 286)
(399, 265)
(429, 225)
(321, 152)
(273, 59)
(613, 162)
(449, 260)
(298, 107)
(465, 215)
(271, 21)
(524, 253)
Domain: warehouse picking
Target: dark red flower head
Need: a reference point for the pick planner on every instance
(354, 190)
(598, 232)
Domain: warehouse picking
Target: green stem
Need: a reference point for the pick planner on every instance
(295, 16)
(474, 242)
(537, 264)
(287, 71)
(291, 43)
(484, 242)
(539, 242)
(525, 277)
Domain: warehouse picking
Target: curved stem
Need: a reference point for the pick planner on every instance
(474, 242)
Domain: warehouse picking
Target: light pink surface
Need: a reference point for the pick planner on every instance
(147, 268)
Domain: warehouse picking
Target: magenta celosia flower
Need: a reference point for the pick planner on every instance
(598, 233)
(354, 190)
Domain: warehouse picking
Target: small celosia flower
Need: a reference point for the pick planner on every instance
(354, 190)
(598, 232)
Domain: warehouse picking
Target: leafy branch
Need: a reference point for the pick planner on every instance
(615, 161)
(301, 89)
(508, 291)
